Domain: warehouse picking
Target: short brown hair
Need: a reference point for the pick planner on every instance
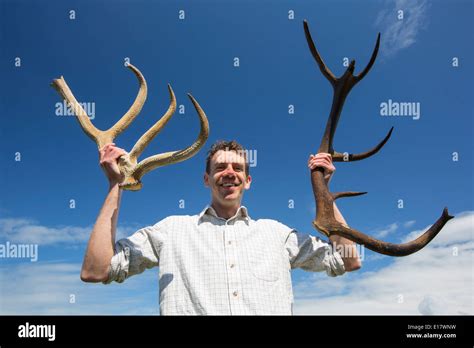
(224, 145)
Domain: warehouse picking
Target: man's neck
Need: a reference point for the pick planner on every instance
(224, 211)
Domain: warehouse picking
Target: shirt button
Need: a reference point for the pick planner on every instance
(232, 265)
(229, 242)
(235, 293)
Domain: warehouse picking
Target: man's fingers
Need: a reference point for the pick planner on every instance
(104, 149)
(320, 160)
(322, 163)
(317, 163)
(109, 152)
(321, 156)
(107, 146)
(325, 156)
(117, 153)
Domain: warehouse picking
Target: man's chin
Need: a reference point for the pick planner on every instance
(230, 199)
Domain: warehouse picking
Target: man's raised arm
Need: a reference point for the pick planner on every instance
(100, 249)
(346, 248)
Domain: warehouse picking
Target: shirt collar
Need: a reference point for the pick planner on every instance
(242, 212)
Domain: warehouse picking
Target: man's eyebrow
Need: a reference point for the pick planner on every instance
(235, 163)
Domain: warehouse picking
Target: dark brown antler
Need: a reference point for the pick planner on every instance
(325, 219)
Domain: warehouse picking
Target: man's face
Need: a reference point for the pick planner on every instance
(227, 179)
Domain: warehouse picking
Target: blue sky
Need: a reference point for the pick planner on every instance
(248, 103)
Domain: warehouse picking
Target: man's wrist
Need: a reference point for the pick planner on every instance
(114, 185)
(340, 240)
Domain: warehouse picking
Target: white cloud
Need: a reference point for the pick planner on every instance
(383, 232)
(432, 305)
(373, 257)
(24, 230)
(398, 34)
(464, 232)
(436, 280)
(46, 288)
(390, 229)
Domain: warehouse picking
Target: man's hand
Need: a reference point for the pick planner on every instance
(323, 160)
(108, 159)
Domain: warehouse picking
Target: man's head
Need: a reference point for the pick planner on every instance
(227, 173)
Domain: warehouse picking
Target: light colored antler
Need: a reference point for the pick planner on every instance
(132, 171)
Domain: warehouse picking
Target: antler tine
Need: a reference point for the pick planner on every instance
(62, 88)
(336, 195)
(134, 110)
(323, 67)
(167, 158)
(340, 157)
(103, 137)
(371, 62)
(382, 247)
(155, 129)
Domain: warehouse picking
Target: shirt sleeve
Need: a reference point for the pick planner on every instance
(313, 254)
(136, 253)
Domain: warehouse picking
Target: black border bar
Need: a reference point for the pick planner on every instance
(332, 330)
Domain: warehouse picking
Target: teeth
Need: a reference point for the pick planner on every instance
(228, 185)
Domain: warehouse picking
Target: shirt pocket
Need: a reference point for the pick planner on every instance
(265, 264)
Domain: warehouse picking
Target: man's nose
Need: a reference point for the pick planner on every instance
(229, 171)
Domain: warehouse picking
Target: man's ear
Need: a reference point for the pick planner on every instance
(206, 179)
(248, 182)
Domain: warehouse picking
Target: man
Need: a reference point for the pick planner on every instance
(220, 262)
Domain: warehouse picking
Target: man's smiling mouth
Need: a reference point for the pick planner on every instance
(230, 184)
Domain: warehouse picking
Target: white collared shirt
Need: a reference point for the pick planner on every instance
(210, 265)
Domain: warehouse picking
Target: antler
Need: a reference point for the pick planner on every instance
(325, 219)
(132, 171)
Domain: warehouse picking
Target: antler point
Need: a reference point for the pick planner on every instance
(446, 213)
